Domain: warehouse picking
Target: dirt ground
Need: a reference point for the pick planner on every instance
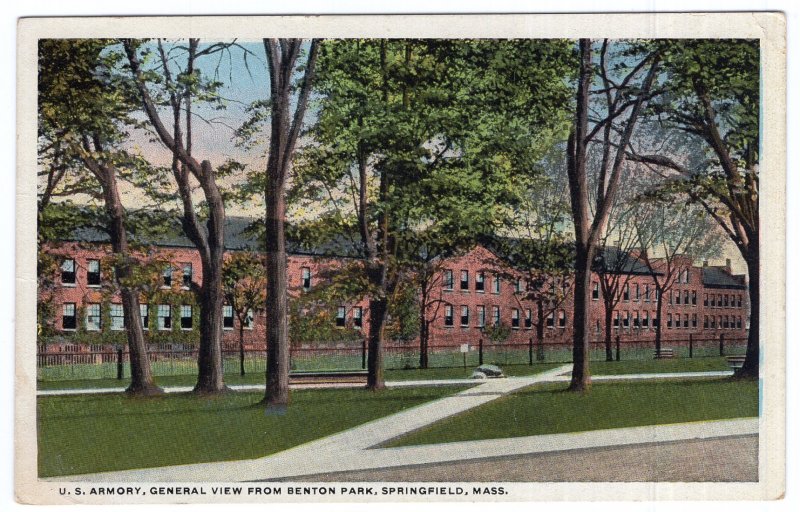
(729, 459)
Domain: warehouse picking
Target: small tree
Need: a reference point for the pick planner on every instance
(244, 280)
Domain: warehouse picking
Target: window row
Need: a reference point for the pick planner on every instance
(481, 282)
(356, 317)
(93, 278)
(93, 317)
(719, 300)
(518, 318)
(646, 320)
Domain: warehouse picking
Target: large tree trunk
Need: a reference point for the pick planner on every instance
(277, 390)
(750, 368)
(609, 313)
(378, 307)
(581, 379)
(241, 349)
(209, 360)
(423, 327)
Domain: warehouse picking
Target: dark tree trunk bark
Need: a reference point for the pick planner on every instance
(210, 378)
(378, 307)
(277, 391)
(659, 307)
(581, 379)
(424, 333)
(241, 349)
(750, 368)
(609, 313)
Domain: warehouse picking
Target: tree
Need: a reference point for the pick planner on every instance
(714, 100)
(408, 119)
(157, 87)
(82, 119)
(671, 237)
(244, 280)
(622, 99)
(282, 58)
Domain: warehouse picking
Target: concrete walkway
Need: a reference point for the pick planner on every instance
(355, 449)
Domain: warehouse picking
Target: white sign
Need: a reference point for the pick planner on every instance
(464, 348)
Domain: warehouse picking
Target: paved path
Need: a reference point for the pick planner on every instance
(355, 449)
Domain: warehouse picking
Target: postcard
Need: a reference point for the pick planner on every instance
(458, 258)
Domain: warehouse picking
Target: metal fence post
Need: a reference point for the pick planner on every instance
(480, 351)
(722, 344)
(691, 346)
(120, 367)
(617, 340)
(363, 353)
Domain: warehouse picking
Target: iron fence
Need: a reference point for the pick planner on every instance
(79, 362)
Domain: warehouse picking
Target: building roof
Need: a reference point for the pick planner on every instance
(241, 234)
(720, 277)
(613, 260)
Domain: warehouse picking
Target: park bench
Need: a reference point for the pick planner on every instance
(735, 362)
(329, 377)
(664, 353)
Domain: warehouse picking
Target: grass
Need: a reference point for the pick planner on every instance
(704, 364)
(548, 409)
(93, 433)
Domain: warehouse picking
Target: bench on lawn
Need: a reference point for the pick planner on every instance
(329, 377)
(664, 353)
(735, 362)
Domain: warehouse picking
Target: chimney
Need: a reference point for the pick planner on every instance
(728, 265)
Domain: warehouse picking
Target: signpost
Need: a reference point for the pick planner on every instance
(464, 350)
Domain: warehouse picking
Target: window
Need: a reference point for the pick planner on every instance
(626, 319)
(464, 316)
(481, 316)
(647, 293)
(670, 297)
(738, 322)
(448, 315)
(249, 320)
(562, 319)
(719, 322)
(694, 320)
(595, 290)
(227, 316)
(713, 322)
(186, 317)
(144, 313)
(518, 285)
(340, 316)
(705, 299)
(686, 276)
(448, 279)
(725, 301)
(496, 316)
(686, 321)
(727, 324)
(165, 317)
(93, 272)
(739, 301)
(719, 301)
(636, 291)
(669, 320)
(705, 321)
(686, 297)
(187, 274)
(626, 293)
(636, 323)
(465, 280)
(305, 278)
(117, 317)
(528, 319)
(167, 277)
(93, 317)
(515, 318)
(645, 320)
(549, 322)
(496, 284)
(677, 297)
(480, 278)
(616, 320)
(694, 297)
(358, 317)
(68, 272)
(68, 322)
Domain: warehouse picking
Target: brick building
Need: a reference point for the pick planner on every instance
(473, 292)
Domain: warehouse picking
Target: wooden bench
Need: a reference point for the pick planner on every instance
(329, 377)
(735, 362)
(664, 353)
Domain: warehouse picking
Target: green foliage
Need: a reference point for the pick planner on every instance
(244, 278)
(404, 313)
(497, 333)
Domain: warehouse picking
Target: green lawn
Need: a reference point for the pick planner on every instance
(704, 364)
(548, 409)
(92, 433)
